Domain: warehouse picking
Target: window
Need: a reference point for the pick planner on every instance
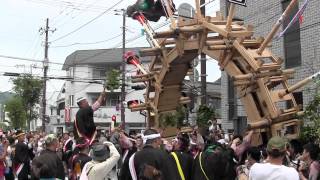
(215, 103)
(71, 100)
(298, 96)
(61, 106)
(292, 46)
(113, 99)
(232, 101)
(99, 72)
(240, 125)
(71, 72)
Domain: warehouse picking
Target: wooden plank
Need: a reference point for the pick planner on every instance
(269, 67)
(172, 33)
(215, 28)
(192, 44)
(246, 55)
(232, 69)
(264, 94)
(236, 34)
(251, 108)
(191, 29)
(182, 22)
(180, 45)
(214, 54)
(198, 11)
(220, 47)
(202, 40)
(215, 42)
(230, 17)
(226, 60)
(150, 52)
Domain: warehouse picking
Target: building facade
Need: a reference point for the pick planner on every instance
(299, 47)
(192, 90)
(86, 73)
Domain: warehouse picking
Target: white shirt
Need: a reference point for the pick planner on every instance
(269, 171)
(101, 170)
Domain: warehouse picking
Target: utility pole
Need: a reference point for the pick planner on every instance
(123, 68)
(45, 71)
(203, 61)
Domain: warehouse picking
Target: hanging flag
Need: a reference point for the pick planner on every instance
(297, 17)
(301, 18)
(67, 114)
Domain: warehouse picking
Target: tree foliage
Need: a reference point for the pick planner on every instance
(204, 114)
(174, 119)
(112, 80)
(28, 88)
(16, 112)
(310, 132)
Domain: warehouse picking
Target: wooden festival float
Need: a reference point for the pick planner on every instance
(261, 83)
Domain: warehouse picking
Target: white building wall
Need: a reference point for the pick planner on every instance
(104, 113)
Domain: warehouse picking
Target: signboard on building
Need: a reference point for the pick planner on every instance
(240, 2)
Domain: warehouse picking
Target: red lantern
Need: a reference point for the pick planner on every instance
(132, 103)
(114, 118)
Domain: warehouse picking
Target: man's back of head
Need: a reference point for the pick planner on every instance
(276, 148)
(151, 137)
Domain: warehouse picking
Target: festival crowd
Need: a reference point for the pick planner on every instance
(89, 154)
(135, 156)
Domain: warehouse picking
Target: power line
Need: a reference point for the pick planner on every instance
(28, 59)
(77, 29)
(73, 17)
(68, 5)
(88, 43)
(139, 36)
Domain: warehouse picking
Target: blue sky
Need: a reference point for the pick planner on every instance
(20, 36)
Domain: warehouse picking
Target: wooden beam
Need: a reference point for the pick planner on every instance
(150, 52)
(230, 16)
(219, 47)
(215, 42)
(276, 27)
(215, 28)
(259, 124)
(246, 55)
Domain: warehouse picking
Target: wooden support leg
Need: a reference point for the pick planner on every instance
(230, 17)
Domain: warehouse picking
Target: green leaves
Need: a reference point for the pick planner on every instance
(113, 80)
(174, 119)
(204, 114)
(16, 112)
(311, 117)
(28, 88)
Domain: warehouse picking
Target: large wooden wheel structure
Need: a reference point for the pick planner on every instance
(261, 83)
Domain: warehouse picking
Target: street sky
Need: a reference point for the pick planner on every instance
(99, 28)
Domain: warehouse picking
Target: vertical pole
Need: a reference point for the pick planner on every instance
(45, 71)
(230, 17)
(123, 69)
(203, 66)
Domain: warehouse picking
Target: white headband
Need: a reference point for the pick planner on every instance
(151, 136)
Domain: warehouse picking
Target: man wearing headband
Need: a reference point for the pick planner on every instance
(84, 123)
(181, 156)
(151, 157)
